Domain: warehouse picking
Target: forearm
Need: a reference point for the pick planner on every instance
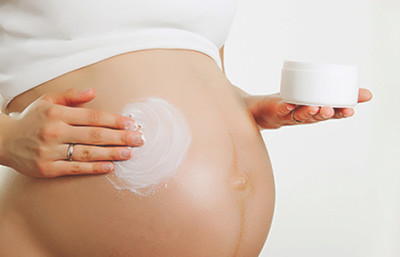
(4, 126)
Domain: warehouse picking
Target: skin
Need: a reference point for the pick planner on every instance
(219, 204)
(49, 117)
(29, 141)
(271, 112)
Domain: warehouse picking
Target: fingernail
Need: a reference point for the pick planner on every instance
(312, 113)
(126, 153)
(323, 116)
(107, 167)
(137, 139)
(130, 125)
(143, 138)
(290, 108)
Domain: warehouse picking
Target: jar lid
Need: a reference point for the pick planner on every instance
(315, 66)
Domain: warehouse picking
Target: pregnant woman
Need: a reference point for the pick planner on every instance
(159, 92)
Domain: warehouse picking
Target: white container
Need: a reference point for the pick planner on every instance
(319, 84)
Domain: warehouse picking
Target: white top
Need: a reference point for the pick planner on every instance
(43, 39)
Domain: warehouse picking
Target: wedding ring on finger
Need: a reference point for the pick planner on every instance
(294, 119)
(70, 151)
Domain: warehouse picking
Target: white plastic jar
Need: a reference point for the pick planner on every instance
(319, 84)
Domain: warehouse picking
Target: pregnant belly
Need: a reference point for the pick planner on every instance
(219, 202)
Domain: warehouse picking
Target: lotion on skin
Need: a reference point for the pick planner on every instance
(167, 140)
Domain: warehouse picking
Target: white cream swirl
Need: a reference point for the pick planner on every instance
(167, 140)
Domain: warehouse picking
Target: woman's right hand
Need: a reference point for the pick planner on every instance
(36, 141)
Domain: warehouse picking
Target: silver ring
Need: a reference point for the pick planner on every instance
(69, 153)
(293, 118)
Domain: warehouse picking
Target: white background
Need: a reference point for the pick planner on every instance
(337, 182)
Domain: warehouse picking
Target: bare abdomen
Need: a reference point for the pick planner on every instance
(219, 203)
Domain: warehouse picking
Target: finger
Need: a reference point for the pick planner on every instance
(284, 109)
(324, 113)
(304, 113)
(85, 153)
(103, 136)
(62, 168)
(70, 97)
(343, 113)
(364, 95)
(100, 118)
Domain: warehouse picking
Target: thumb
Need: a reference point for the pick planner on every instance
(364, 95)
(70, 96)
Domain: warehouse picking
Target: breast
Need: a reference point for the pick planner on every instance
(75, 19)
(219, 202)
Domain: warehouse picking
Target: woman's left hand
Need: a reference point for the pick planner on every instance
(271, 112)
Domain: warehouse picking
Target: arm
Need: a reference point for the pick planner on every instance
(270, 112)
(4, 125)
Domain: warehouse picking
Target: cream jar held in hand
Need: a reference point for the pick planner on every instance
(319, 84)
